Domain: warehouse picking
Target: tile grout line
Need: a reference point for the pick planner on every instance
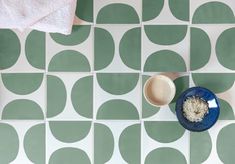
(189, 69)
(46, 72)
(93, 85)
(141, 83)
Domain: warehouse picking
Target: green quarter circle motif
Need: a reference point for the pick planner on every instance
(117, 83)
(9, 143)
(165, 34)
(151, 9)
(84, 10)
(147, 109)
(103, 143)
(56, 96)
(78, 35)
(216, 82)
(22, 83)
(180, 9)
(35, 144)
(213, 13)
(200, 147)
(226, 111)
(165, 155)
(117, 13)
(164, 131)
(117, 110)
(104, 48)
(69, 61)
(225, 48)
(129, 144)
(35, 49)
(165, 61)
(70, 131)
(82, 96)
(69, 154)
(200, 49)
(225, 144)
(9, 53)
(181, 83)
(22, 109)
(130, 48)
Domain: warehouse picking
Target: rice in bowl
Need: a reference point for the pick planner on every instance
(195, 109)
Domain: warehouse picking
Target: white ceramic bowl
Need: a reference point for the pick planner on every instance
(159, 90)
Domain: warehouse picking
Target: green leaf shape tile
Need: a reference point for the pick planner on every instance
(226, 111)
(225, 144)
(104, 48)
(9, 53)
(200, 49)
(117, 13)
(56, 96)
(180, 9)
(117, 83)
(216, 82)
(82, 96)
(103, 143)
(22, 83)
(70, 131)
(35, 49)
(78, 35)
(129, 144)
(164, 131)
(225, 48)
(165, 155)
(84, 10)
(200, 147)
(35, 144)
(117, 110)
(151, 9)
(181, 84)
(147, 109)
(213, 13)
(165, 61)
(165, 34)
(9, 143)
(22, 109)
(130, 48)
(69, 61)
(69, 155)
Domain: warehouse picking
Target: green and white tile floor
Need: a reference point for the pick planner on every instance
(78, 99)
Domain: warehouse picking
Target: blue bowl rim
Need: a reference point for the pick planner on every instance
(182, 95)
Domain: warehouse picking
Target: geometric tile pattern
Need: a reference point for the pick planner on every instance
(79, 98)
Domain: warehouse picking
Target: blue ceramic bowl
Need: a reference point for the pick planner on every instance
(209, 120)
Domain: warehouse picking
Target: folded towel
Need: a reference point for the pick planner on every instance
(43, 15)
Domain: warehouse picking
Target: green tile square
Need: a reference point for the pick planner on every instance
(71, 135)
(125, 136)
(16, 104)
